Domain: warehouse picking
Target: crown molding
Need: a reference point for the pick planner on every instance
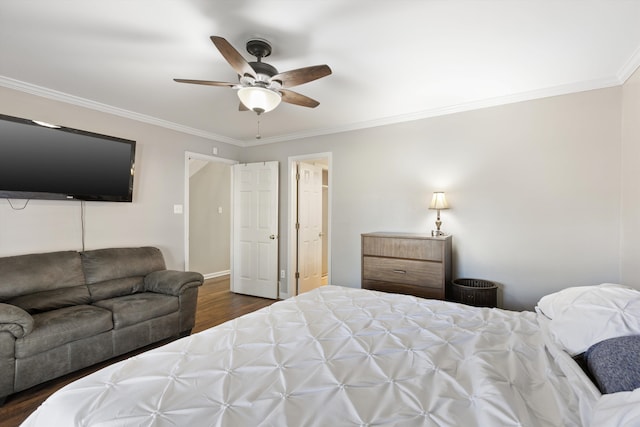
(626, 71)
(629, 67)
(435, 112)
(93, 105)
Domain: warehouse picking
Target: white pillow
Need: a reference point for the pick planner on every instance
(585, 315)
(555, 303)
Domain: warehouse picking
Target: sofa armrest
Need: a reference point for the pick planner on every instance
(15, 320)
(172, 282)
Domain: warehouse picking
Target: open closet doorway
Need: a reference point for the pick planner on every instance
(207, 212)
(309, 222)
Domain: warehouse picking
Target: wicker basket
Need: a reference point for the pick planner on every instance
(477, 292)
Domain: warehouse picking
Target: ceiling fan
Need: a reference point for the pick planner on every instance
(260, 86)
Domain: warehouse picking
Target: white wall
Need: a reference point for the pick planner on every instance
(534, 189)
(630, 224)
(158, 184)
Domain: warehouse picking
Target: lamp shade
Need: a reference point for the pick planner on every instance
(259, 99)
(438, 201)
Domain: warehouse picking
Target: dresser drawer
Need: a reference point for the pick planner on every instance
(428, 250)
(400, 288)
(409, 272)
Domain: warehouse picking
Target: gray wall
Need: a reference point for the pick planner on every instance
(210, 230)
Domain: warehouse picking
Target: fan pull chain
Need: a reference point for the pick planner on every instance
(258, 136)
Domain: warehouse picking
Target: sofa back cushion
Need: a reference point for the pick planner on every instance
(42, 282)
(119, 271)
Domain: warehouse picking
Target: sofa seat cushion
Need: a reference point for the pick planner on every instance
(133, 309)
(58, 327)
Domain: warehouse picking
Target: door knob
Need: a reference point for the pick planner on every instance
(273, 236)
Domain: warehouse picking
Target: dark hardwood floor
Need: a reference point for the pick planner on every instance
(216, 305)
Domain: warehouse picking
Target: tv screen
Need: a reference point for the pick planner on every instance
(41, 162)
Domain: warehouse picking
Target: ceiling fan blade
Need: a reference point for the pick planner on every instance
(295, 98)
(233, 57)
(302, 75)
(206, 82)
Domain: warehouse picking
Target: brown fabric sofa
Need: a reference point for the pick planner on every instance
(63, 311)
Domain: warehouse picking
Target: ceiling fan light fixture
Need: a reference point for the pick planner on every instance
(259, 99)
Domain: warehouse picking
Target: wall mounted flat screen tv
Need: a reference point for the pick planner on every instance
(40, 162)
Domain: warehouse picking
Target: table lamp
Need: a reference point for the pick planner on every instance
(438, 201)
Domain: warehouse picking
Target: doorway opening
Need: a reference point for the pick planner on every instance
(208, 214)
(309, 208)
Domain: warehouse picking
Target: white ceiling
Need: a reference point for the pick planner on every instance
(392, 61)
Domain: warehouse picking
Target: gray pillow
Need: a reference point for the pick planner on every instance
(615, 364)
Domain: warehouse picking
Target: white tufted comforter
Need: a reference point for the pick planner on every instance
(339, 357)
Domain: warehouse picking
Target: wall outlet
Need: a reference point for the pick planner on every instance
(215, 151)
(282, 274)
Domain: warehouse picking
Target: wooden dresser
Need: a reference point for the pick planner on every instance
(406, 263)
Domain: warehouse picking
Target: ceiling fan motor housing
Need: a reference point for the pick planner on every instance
(261, 48)
(264, 68)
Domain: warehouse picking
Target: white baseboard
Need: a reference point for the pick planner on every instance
(217, 274)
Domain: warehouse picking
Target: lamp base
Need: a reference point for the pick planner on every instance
(437, 233)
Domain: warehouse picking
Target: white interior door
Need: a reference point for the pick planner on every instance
(255, 229)
(310, 227)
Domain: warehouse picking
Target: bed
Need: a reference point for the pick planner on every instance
(339, 356)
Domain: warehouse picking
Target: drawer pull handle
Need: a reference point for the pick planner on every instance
(400, 271)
